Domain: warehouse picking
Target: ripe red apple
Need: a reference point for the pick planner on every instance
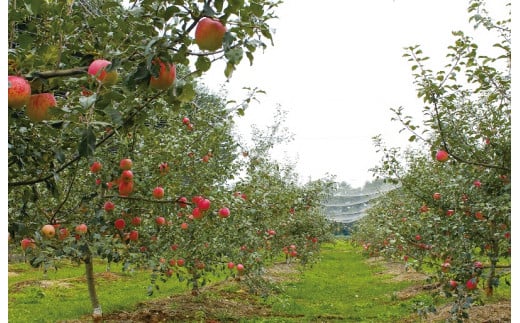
(37, 108)
(204, 204)
(63, 234)
(133, 236)
(172, 262)
(231, 265)
(240, 267)
(479, 215)
(180, 262)
(19, 91)
(477, 184)
(442, 156)
(183, 202)
(186, 121)
(205, 159)
(418, 237)
(184, 226)
(453, 284)
(27, 243)
(209, 34)
(223, 212)
(196, 199)
(81, 228)
(165, 78)
(109, 206)
(450, 212)
(271, 232)
(125, 164)
(119, 224)
(436, 196)
(158, 192)
(126, 188)
(478, 265)
(136, 221)
(95, 167)
(196, 213)
(164, 168)
(48, 230)
(127, 175)
(160, 220)
(471, 283)
(98, 69)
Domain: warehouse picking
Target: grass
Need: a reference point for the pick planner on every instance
(343, 288)
(62, 294)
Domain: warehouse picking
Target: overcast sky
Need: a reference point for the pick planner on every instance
(337, 68)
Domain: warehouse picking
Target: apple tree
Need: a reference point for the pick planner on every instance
(117, 136)
(452, 210)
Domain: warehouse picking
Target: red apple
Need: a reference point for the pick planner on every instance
(204, 204)
(127, 175)
(48, 230)
(418, 237)
(136, 221)
(196, 213)
(183, 202)
(471, 284)
(231, 265)
(223, 212)
(125, 164)
(119, 224)
(63, 233)
(126, 188)
(186, 121)
(453, 284)
(240, 267)
(209, 34)
(436, 196)
(180, 262)
(165, 78)
(98, 69)
(478, 265)
(27, 243)
(196, 199)
(184, 226)
(164, 168)
(109, 206)
(133, 236)
(18, 92)
(160, 220)
(442, 156)
(95, 167)
(450, 212)
(81, 228)
(477, 184)
(158, 192)
(37, 108)
(172, 262)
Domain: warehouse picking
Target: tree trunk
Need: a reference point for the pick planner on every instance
(97, 314)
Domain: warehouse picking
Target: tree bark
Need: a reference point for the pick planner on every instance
(97, 313)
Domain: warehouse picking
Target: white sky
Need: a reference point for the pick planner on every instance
(337, 68)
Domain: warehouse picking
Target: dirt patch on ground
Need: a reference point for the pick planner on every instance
(499, 312)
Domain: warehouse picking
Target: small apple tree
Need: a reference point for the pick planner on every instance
(452, 212)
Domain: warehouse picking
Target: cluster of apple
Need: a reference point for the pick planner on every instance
(36, 105)
(209, 35)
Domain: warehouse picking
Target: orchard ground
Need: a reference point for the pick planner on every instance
(229, 300)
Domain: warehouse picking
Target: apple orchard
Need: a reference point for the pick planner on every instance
(117, 152)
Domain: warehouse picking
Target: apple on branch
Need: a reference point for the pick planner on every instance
(98, 68)
(166, 76)
(19, 92)
(209, 34)
(37, 108)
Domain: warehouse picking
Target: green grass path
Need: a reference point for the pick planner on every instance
(343, 288)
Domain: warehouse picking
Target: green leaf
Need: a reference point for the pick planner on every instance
(87, 145)
(186, 93)
(230, 68)
(234, 56)
(203, 63)
(87, 101)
